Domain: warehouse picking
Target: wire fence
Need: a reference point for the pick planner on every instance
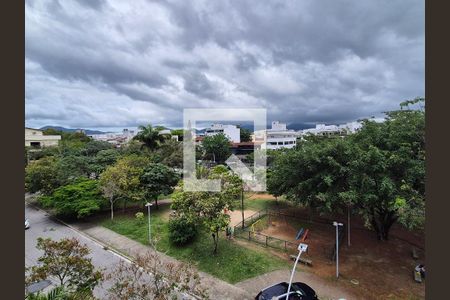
(249, 228)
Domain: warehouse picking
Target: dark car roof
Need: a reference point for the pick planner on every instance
(281, 288)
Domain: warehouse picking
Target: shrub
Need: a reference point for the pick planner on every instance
(181, 231)
(139, 216)
(80, 199)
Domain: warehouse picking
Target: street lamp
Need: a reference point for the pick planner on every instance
(336, 224)
(301, 248)
(148, 205)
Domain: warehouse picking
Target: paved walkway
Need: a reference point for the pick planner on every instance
(324, 289)
(218, 289)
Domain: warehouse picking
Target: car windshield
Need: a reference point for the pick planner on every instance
(280, 289)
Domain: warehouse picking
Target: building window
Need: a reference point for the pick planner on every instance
(280, 143)
(35, 144)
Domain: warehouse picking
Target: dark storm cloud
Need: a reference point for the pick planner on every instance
(116, 63)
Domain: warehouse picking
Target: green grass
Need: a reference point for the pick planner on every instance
(233, 263)
(259, 204)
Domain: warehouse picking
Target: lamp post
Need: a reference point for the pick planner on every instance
(336, 224)
(301, 248)
(148, 205)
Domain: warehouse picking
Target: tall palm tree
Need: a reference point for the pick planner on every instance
(150, 136)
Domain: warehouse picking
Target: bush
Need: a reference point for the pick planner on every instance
(139, 216)
(77, 200)
(181, 231)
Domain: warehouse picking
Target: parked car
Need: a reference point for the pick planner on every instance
(299, 291)
(27, 224)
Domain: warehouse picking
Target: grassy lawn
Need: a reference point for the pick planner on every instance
(233, 263)
(259, 204)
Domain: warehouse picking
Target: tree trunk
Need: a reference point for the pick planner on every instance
(112, 208)
(215, 237)
(382, 223)
(348, 226)
(156, 202)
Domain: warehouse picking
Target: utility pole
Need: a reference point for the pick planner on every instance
(149, 224)
(242, 204)
(336, 224)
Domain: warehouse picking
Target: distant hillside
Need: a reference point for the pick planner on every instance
(63, 129)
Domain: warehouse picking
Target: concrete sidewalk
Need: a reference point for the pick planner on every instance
(217, 289)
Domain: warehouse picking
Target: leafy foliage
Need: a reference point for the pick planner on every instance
(207, 208)
(380, 171)
(181, 231)
(79, 199)
(42, 175)
(150, 137)
(158, 179)
(151, 278)
(245, 135)
(217, 147)
(67, 261)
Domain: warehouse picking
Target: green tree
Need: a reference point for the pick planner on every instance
(66, 260)
(207, 208)
(388, 171)
(245, 134)
(170, 153)
(42, 176)
(91, 148)
(217, 147)
(378, 172)
(179, 133)
(73, 166)
(122, 180)
(158, 179)
(315, 174)
(79, 199)
(150, 137)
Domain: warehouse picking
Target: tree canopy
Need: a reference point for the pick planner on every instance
(380, 171)
(150, 136)
(207, 208)
(217, 147)
(158, 179)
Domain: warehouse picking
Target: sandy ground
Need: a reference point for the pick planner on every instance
(236, 216)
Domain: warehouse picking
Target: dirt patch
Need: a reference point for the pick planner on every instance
(382, 269)
(236, 216)
(261, 196)
(280, 229)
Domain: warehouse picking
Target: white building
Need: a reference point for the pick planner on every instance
(351, 127)
(277, 137)
(36, 138)
(232, 132)
(333, 130)
(324, 130)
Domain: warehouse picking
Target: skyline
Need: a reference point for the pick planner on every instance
(107, 64)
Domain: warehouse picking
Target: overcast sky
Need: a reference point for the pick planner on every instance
(116, 64)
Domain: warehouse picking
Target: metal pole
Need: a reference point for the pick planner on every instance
(242, 205)
(149, 225)
(301, 248)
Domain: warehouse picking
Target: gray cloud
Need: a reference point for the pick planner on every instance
(115, 63)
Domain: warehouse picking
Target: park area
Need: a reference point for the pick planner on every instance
(369, 269)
